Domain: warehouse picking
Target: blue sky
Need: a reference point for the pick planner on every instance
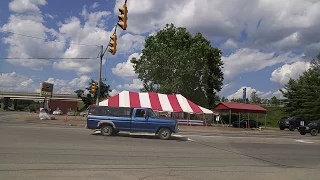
(263, 44)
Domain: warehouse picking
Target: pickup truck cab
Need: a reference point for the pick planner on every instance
(111, 120)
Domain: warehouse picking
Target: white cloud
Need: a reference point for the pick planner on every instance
(287, 71)
(238, 94)
(28, 20)
(24, 47)
(251, 60)
(278, 94)
(21, 83)
(125, 69)
(68, 86)
(16, 82)
(268, 23)
(229, 44)
(113, 93)
(26, 6)
(136, 85)
(95, 5)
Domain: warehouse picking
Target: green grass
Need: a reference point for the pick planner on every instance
(274, 114)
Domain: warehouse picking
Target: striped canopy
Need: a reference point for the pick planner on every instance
(158, 102)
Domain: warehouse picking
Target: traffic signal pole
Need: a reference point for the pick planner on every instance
(99, 80)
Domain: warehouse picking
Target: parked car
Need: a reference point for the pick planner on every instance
(313, 128)
(111, 120)
(292, 123)
(243, 123)
(57, 112)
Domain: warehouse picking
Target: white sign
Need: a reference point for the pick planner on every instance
(301, 123)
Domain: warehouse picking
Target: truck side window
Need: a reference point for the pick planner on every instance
(140, 113)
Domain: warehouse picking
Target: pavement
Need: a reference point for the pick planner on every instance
(44, 151)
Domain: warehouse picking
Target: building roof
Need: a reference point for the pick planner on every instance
(240, 107)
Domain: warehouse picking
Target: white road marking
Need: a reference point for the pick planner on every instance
(303, 141)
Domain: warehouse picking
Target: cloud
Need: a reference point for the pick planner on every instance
(252, 60)
(229, 44)
(238, 94)
(68, 86)
(25, 47)
(16, 82)
(21, 83)
(113, 93)
(270, 24)
(282, 74)
(95, 5)
(125, 69)
(83, 39)
(136, 85)
(26, 6)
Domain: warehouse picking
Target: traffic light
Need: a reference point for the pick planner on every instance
(113, 44)
(93, 87)
(123, 17)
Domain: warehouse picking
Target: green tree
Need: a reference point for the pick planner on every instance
(174, 61)
(302, 95)
(89, 98)
(255, 99)
(274, 101)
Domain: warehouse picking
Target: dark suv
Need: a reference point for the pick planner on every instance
(292, 123)
(313, 128)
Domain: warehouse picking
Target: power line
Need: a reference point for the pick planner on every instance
(49, 58)
(49, 40)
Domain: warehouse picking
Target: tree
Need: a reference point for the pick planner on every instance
(302, 95)
(89, 98)
(174, 61)
(255, 98)
(274, 101)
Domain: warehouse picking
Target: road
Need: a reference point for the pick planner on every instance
(32, 152)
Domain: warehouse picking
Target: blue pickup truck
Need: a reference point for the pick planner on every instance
(111, 120)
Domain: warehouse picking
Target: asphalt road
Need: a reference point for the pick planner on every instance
(46, 152)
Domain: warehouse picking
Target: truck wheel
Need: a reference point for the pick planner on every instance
(164, 133)
(314, 132)
(106, 130)
(291, 128)
(282, 128)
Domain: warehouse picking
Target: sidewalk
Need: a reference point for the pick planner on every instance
(81, 122)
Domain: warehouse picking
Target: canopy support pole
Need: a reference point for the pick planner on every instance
(265, 121)
(239, 121)
(229, 117)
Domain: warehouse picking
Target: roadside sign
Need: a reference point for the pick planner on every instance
(46, 89)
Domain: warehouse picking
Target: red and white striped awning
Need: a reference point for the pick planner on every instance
(158, 102)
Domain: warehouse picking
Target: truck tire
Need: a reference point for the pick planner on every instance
(164, 133)
(314, 132)
(291, 128)
(106, 130)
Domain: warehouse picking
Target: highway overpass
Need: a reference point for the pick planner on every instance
(36, 96)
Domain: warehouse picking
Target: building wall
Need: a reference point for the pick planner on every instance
(63, 105)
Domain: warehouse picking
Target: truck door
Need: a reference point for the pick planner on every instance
(139, 121)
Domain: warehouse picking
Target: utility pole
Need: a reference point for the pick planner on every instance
(99, 81)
